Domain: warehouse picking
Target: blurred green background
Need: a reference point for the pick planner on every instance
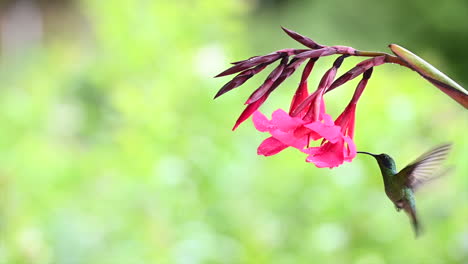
(113, 151)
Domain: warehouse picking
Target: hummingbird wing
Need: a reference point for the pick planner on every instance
(422, 169)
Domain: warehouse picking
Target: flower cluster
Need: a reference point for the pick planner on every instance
(307, 119)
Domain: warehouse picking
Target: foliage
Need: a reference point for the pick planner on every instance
(113, 151)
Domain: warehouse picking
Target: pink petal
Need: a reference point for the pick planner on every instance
(322, 109)
(260, 121)
(289, 139)
(304, 105)
(299, 96)
(330, 133)
(316, 107)
(311, 150)
(302, 91)
(352, 122)
(284, 121)
(350, 149)
(328, 155)
(327, 119)
(270, 146)
(346, 120)
(326, 160)
(307, 134)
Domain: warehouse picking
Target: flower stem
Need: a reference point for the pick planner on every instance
(388, 57)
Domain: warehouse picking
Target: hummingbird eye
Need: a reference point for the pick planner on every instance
(387, 161)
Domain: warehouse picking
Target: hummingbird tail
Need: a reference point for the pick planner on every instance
(414, 221)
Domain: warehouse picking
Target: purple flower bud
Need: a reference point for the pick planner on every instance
(367, 74)
(240, 79)
(249, 63)
(257, 94)
(302, 39)
(357, 70)
(237, 62)
(361, 85)
(292, 66)
(251, 108)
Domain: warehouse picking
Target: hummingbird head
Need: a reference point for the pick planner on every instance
(383, 159)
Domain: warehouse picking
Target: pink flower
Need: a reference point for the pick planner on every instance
(287, 131)
(332, 154)
(307, 121)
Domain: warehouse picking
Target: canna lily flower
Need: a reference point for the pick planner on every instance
(287, 131)
(332, 154)
(308, 121)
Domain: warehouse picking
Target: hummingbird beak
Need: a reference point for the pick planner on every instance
(363, 152)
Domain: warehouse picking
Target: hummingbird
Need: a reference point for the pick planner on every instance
(401, 186)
